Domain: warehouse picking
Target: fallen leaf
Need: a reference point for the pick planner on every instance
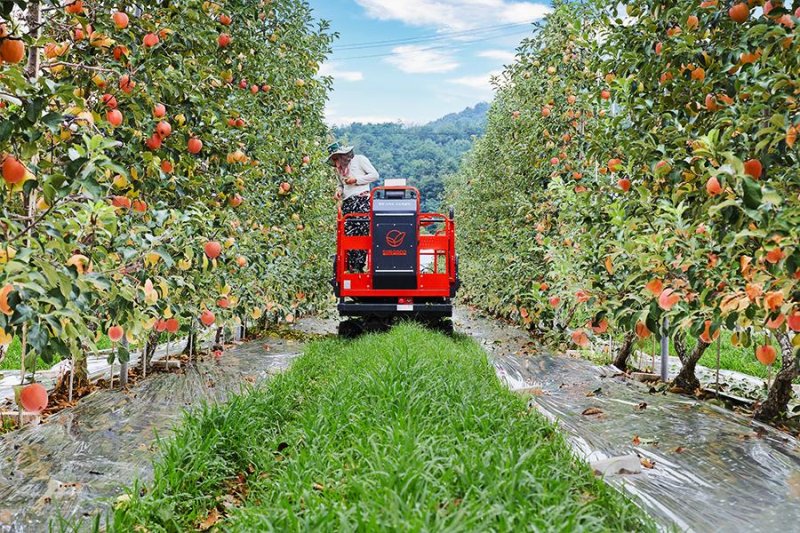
(642, 406)
(212, 518)
(636, 440)
(318, 486)
(647, 463)
(592, 411)
(679, 449)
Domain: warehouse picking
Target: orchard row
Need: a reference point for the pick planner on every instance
(161, 169)
(640, 169)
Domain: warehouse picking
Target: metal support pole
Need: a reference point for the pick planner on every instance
(665, 351)
(123, 365)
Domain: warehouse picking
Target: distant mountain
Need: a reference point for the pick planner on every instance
(422, 154)
(471, 117)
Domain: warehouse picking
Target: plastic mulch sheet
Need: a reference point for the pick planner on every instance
(712, 469)
(82, 458)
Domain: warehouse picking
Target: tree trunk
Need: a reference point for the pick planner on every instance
(34, 21)
(621, 359)
(686, 379)
(191, 344)
(781, 390)
(80, 377)
(150, 349)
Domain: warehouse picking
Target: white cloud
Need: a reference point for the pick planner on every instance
(506, 56)
(333, 70)
(455, 15)
(481, 84)
(415, 59)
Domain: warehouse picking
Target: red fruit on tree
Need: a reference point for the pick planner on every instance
(713, 186)
(605, 94)
(194, 145)
(207, 318)
(150, 40)
(164, 129)
(166, 167)
(580, 338)
(140, 206)
(110, 101)
(159, 110)
(12, 50)
(753, 168)
(224, 303)
(153, 142)
(766, 354)
(659, 47)
(614, 165)
(126, 84)
(223, 40)
(794, 321)
(236, 200)
(739, 13)
(172, 325)
(75, 7)
(114, 117)
(692, 22)
(667, 299)
(240, 123)
(285, 187)
(33, 398)
(225, 20)
(119, 51)
(554, 301)
(624, 184)
(213, 249)
(254, 89)
(775, 323)
(120, 20)
(115, 333)
(13, 170)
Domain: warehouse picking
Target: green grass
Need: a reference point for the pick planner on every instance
(12, 359)
(731, 357)
(407, 431)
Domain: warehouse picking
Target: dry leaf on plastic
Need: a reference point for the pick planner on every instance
(592, 411)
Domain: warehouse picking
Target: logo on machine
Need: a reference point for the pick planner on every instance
(395, 238)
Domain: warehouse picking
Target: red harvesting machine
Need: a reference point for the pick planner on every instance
(411, 264)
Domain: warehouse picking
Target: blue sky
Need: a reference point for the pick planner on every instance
(417, 60)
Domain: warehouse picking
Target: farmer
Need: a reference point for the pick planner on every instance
(354, 174)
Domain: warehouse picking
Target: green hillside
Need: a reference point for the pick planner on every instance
(425, 154)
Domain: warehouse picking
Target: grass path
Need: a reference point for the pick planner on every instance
(407, 431)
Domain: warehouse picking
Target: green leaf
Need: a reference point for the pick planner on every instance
(752, 193)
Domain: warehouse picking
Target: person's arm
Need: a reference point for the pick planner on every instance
(339, 188)
(370, 173)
